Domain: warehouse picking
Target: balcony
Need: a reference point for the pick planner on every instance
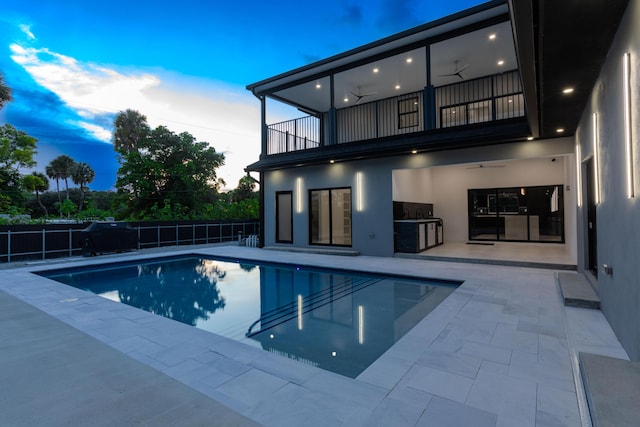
(486, 99)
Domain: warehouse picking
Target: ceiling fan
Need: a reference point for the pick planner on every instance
(481, 166)
(361, 95)
(457, 70)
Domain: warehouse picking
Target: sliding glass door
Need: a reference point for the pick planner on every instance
(330, 222)
(521, 214)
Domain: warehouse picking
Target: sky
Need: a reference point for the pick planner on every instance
(73, 65)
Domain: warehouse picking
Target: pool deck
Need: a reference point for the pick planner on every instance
(500, 351)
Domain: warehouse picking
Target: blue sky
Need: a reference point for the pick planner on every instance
(73, 64)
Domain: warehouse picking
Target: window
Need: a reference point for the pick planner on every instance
(284, 217)
(330, 222)
(408, 113)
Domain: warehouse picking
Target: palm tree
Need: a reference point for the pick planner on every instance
(52, 173)
(5, 92)
(82, 174)
(61, 168)
(37, 182)
(130, 128)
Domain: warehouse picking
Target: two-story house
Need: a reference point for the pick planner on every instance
(504, 122)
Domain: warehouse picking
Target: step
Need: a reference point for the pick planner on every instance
(613, 390)
(577, 292)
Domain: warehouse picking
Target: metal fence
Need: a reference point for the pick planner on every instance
(293, 135)
(21, 243)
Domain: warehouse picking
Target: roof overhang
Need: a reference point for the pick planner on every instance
(560, 45)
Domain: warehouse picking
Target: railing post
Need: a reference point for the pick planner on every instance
(8, 246)
(286, 141)
(44, 244)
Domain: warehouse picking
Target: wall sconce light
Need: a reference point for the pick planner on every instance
(359, 192)
(299, 195)
(578, 175)
(596, 158)
(627, 124)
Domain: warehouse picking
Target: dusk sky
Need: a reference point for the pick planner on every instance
(73, 64)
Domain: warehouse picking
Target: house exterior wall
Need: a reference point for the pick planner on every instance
(372, 183)
(618, 217)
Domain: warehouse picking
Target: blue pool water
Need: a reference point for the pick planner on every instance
(341, 321)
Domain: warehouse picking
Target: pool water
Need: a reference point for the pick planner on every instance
(340, 321)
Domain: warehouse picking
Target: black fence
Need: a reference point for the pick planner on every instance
(31, 242)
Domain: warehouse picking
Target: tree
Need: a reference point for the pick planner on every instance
(130, 131)
(165, 170)
(37, 182)
(245, 190)
(16, 151)
(82, 174)
(5, 92)
(60, 168)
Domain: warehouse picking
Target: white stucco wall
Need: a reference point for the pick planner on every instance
(618, 217)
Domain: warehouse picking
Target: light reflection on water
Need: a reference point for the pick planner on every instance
(335, 320)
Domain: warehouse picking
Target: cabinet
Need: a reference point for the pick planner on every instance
(413, 236)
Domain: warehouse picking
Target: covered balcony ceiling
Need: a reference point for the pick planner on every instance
(487, 51)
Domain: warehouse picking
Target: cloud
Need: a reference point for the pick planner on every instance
(397, 15)
(228, 117)
(27, 30)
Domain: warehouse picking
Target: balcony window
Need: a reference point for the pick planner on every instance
(408, 113)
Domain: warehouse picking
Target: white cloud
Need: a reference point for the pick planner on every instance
(227, 117)
(27, 30)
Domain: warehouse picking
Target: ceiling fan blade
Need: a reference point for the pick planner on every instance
(461, 69)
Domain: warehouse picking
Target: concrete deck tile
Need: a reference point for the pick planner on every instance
(446, 413)
(440, 383)
(557, 407)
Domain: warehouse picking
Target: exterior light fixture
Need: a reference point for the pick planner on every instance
(596, 158)
(359, 191)
(334, 354)
(376, 70)
(578, 175)
(360, 324)
(409, 60)
(492, 36)
(346, 99)
(627, 124)
(567, 90)
(560, 130)
(299, 312)
(318, 85)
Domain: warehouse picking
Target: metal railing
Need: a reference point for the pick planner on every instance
(22, 245)
(293, 135)
(485, 99)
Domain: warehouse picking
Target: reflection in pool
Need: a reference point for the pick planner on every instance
(337, 320)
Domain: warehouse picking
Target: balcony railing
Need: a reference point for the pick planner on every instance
(480, 100)
(293, 135)
(485, 99)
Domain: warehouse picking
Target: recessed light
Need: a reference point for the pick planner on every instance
(318, 85)
(414, 151)
(501, 62)
(332, 161)
(530, 138)
(376, 70)
(346, 99)
(453, 111)
(560, 130)
(397, 87)
(409, 60)
(492, 36)
(511, 100)
(334, 354)
(567, 90)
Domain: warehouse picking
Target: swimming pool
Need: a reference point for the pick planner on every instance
(337, 320)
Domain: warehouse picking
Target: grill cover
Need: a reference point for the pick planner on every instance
(102, 237)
